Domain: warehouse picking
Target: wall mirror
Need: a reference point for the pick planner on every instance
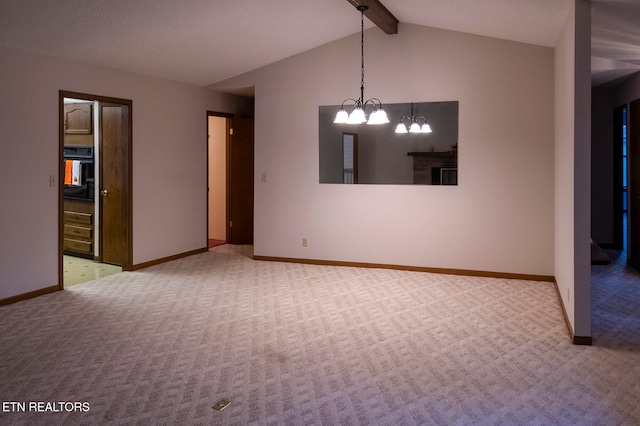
(376, 154)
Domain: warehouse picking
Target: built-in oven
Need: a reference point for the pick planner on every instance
(79, 177)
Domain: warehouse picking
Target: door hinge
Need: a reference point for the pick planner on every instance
(231, 131)
(230, 224)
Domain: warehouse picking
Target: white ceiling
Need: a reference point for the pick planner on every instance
(615, 39)
(203, 42)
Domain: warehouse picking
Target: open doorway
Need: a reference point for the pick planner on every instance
(632, 138)
(95, 221)
(230, 179)
(218, 125)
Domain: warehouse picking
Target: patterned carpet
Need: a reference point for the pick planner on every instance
(317, 345)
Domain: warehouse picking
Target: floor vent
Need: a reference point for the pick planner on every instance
(221, 405)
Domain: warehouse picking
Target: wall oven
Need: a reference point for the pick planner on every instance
(79, 168)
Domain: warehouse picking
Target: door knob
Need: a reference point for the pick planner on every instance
(104, 192)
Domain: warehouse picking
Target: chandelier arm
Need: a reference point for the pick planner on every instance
(355, 102)
(374, 100)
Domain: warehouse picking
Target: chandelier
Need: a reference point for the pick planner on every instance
(358, 114)
(413, 125)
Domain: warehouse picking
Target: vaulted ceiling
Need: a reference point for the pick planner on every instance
(203, 42)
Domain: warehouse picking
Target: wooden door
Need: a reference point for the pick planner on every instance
(78, 119)
(633, 218)
(241, 181)
(113, 125)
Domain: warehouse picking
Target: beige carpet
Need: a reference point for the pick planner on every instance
(316, 345)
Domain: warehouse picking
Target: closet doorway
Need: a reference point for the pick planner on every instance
(95, 192)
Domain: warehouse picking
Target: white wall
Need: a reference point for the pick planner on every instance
(572, 167)
(500, 216)
(169, 162)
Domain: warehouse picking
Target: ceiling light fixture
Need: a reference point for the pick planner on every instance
(358, 114)
(413, 126)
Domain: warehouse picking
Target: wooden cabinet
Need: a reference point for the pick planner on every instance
(78, 228)
(78, 119)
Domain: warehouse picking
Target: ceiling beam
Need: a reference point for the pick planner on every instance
(378, 14)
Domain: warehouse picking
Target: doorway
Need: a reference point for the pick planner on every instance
(218, 126)
(95, 220)
(230, 179)
(632, 137)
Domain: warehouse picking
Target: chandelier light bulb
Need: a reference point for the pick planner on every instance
(401, 128)
(342, 116)
(415, 127)
(357, 116)
(379, 116)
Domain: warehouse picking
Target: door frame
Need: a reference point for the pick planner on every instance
(228, 117)
(127, 264)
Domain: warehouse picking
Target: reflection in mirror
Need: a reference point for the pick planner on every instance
(350, 158)
(378, 155)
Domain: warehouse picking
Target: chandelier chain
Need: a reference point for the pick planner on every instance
(362, 55)
(358, 114)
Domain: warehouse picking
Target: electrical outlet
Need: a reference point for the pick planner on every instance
(53, 182)
(263, 177)
(304, 242)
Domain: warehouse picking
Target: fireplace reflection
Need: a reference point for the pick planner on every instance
(435, 168)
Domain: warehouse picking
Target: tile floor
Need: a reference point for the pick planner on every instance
(78, 270)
